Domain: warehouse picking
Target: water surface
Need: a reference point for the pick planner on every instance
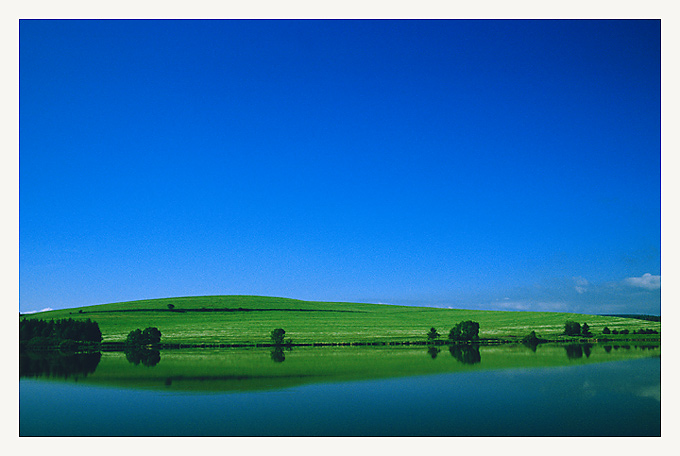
(353, 391)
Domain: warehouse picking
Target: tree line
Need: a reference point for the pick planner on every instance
(33, 332)
(572, 328)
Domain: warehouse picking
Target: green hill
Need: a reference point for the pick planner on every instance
(250, 319)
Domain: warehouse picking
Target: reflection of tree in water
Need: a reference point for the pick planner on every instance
(148, 357)
(531, 344)
(433, 351)
(575, 351)
(607, 348)
(586, 350)
(277, 355)
(466, 354)
(51, 364)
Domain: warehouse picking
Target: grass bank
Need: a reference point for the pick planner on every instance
(248, 320)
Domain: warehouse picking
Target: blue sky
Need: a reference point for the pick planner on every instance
(469, 164)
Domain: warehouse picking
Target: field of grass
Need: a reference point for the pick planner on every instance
(217, 320)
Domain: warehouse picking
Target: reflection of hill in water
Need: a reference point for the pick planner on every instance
(204, 370)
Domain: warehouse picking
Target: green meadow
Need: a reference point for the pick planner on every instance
(250, 319)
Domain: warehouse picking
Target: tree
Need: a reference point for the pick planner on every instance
(469, 330)
(277, 336)
(465, 330)
(585, 330)
(138, 338)
(531, 338)
(59, 330)
(151, 336)
(433, 334)
(134, 337)
(606, 330)
(171, 306)
(455, 333)
(572, 328)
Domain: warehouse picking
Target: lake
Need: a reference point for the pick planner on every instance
(507, 390)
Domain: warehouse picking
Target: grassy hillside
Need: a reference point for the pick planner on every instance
(250, 319)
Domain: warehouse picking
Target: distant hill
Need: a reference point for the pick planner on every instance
(250, 319)
(636, 316)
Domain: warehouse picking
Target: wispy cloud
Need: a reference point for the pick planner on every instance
(647, 281)
(581, 285)
(580, 295)
(536, 306)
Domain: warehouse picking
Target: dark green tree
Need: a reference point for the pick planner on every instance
(465, 330)
(171, 306)
(585, 330)
(151, 336)
(139, 338)
(455, 333)
(470, 330)
(433, 334)
(531, 340)
(277, 336)
(606, 330)
(56, 331)
(572, 328)
(134, 338)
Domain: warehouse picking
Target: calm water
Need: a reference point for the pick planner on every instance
(584, 391)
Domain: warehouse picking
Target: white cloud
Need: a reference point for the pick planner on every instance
(46, 309)
(647, 281)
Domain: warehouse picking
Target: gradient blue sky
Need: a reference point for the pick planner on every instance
(470, 164)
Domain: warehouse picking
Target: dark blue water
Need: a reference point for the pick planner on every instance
(620, 398)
